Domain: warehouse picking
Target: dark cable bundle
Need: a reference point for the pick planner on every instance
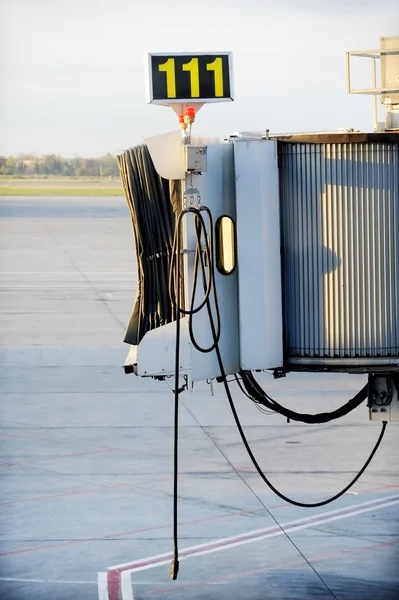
(151, 206)
(260, 397)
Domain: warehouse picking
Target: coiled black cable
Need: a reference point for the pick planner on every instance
(209, 279)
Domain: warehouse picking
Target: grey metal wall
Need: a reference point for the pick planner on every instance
(340, 237)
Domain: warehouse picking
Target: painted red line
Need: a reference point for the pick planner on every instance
(281, 567)
(251, 469)
(367, 491)
(129, 532)
(360, 482)
(25, 437)
(382, 487)
(55, 457)
(82, 492)
(122, 534)
(113, 584)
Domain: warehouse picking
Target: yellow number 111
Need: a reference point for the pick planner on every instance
(192, 67)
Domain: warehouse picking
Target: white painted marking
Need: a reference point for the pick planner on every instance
(102, 583)
(246, 538)
(288, 528)
(256, 534)
(126, 586)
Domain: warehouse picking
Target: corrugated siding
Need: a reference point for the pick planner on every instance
(340, 230)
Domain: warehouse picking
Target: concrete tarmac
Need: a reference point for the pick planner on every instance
(86, 451)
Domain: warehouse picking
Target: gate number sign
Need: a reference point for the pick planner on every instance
(182, 78)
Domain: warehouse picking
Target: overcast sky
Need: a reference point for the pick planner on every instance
(72, 74)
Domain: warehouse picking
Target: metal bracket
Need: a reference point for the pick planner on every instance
(192, 198)
(383, 397)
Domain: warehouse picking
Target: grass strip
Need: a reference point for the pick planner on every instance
(64, 191)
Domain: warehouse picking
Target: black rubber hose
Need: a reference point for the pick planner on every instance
(174, 567)
(211, 278)
(247, 446)
(268, 482)
(174, 291)
(258, 395)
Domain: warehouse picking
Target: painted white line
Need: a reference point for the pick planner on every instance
(126, 586)
(288, 528)
(148, 562)
(102, 583)
(126, 570)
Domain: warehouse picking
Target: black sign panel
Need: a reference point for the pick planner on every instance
(191, 77)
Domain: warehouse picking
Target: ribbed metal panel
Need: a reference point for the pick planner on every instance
(340, 230)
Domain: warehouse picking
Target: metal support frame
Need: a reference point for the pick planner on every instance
(374, 55)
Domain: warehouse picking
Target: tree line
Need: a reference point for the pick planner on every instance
(28, 165)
